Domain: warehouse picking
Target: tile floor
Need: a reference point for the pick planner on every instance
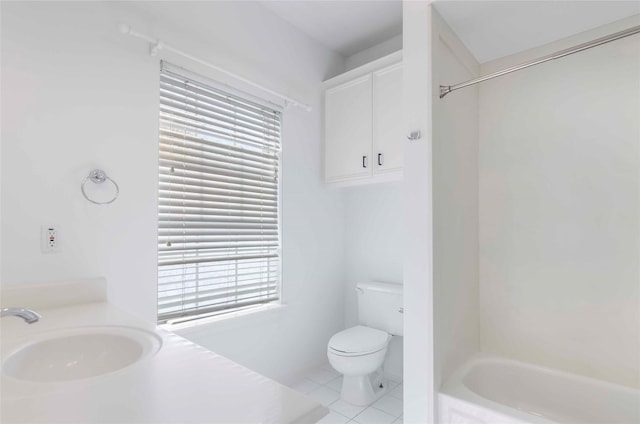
(323, 384)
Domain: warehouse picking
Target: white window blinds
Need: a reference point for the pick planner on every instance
(218, 236)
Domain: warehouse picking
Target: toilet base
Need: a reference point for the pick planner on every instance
(362, 390)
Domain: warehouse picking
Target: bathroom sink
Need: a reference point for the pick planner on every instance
(79, 353)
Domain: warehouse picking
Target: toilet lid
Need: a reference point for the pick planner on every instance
(359, 339)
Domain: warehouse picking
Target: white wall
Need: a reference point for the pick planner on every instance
(374, 229)
(419, 391)
(385, 48)
(77, 94)
(374, 237)
(455, 203)
(559, 209)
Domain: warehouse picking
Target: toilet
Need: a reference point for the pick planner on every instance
(358, 352)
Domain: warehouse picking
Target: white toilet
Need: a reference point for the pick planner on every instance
(358, 352)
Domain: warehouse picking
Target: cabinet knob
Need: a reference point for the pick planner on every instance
(364, 161)
(380, 159)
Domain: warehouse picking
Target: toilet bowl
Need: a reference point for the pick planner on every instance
(357, 353)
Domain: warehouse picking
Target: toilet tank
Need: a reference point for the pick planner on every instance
(380, 306)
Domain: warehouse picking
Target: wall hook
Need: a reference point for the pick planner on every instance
(414, 135)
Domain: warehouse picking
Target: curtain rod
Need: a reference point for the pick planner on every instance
(446, 89)
(155, 45)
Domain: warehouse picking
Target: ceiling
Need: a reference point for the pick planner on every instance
(489, 29)
(344, 26)
(493, 29)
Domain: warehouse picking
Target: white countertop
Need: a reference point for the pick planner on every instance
(181, 383)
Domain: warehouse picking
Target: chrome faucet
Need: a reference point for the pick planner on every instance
(27, 315)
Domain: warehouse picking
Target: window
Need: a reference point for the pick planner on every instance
(218, 235)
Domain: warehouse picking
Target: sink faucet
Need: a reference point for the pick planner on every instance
(27, 315)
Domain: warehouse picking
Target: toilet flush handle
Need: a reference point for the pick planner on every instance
(401, 310)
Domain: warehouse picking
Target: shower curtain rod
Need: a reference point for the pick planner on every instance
(446, 89)
(155, 45)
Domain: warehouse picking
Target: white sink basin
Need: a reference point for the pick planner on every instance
(79, 353)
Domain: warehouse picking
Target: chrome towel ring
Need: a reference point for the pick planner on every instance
(98, 176)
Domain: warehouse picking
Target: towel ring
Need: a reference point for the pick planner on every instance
(98, 176)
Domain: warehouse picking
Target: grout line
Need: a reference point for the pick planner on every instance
(386, 412)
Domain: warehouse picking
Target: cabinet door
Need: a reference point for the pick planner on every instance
(347, 134)
(388, 142)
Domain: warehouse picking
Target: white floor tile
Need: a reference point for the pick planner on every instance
(399, 421)
(334, 418)
(397, 392)
(335, 384)
(346, 409)
(389, 404)
(305, 386)
(374, 416)
(324, 395)
(321, 376)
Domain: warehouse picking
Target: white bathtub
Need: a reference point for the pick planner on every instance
(492, 390)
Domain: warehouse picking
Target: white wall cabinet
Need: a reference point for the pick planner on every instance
(363, 140)
(348, 130)
(387, 120)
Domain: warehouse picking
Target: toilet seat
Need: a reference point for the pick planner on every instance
(358, 340)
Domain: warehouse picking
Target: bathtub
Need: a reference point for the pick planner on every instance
(492, 390)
